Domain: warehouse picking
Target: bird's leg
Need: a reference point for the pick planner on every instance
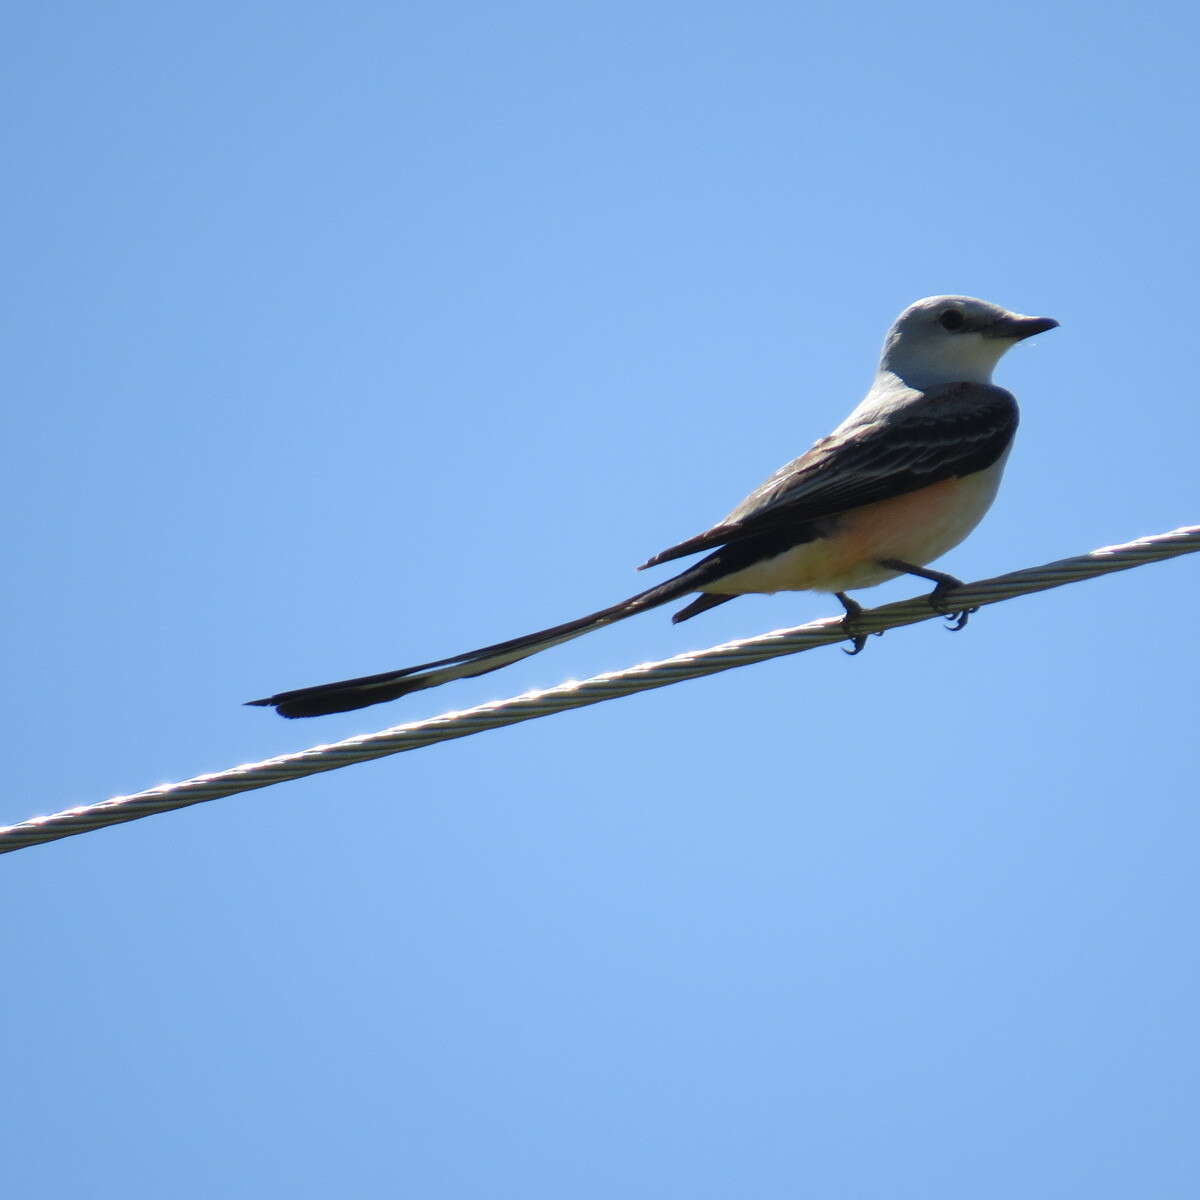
(853, 611)
(945, 583)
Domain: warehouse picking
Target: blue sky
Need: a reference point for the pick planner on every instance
(343, 337)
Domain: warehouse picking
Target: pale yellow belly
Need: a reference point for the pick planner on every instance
(916, 528)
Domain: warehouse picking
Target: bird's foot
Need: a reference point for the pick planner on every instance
(853, 612)
(956, 618)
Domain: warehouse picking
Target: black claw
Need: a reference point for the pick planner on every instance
(957, 617)
(853, 611)
(958, 620)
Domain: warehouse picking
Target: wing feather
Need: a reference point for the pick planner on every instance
(947, 433)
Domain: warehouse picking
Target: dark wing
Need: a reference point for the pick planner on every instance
(949, 432)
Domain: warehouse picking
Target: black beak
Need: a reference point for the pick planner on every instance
(1018, 328)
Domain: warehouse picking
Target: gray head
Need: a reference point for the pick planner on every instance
(953, 339)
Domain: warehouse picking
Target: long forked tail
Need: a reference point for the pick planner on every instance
(348, 694)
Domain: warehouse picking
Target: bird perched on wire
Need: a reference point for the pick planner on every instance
(903, 479)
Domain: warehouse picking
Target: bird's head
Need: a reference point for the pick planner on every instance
(953, 339)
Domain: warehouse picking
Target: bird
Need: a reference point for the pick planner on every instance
(902, 480)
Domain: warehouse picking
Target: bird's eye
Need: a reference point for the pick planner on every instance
(952, 320)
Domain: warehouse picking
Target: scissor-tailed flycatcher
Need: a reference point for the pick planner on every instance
(904, 478)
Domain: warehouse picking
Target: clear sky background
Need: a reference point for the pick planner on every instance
(339, 337)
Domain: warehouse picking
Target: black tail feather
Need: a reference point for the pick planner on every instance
(702, 603)
(348, 694)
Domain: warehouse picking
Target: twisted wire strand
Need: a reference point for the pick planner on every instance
(578, 694)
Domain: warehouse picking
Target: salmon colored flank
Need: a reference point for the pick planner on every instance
(917, 527)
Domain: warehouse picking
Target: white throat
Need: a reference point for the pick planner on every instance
(925, 363)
